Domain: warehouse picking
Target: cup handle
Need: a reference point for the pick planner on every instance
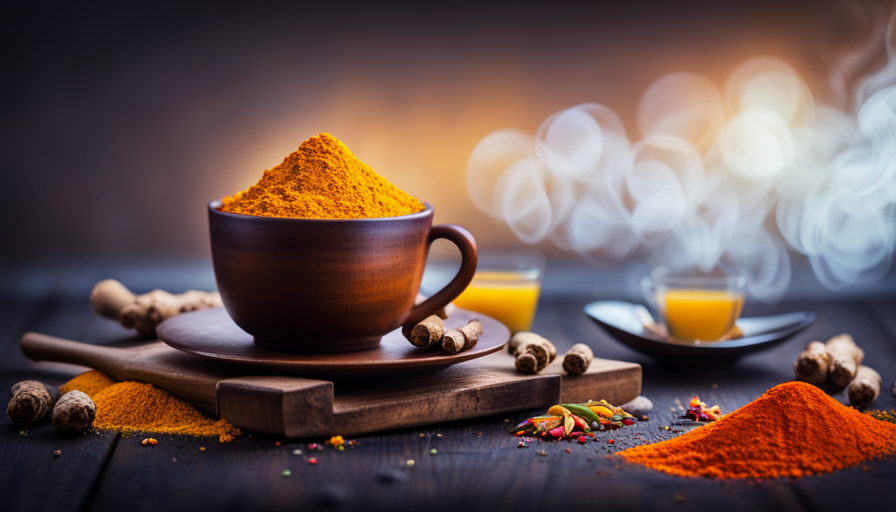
(469, 257)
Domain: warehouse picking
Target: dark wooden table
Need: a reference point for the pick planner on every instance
(478, 465)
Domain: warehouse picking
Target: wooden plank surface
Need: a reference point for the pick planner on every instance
(300, 407)
(32, 478)
(469, 471)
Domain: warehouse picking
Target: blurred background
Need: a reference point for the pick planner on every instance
(119, 124)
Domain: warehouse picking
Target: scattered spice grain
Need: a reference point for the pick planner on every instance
(792, 430)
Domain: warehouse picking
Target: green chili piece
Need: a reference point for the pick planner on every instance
(582, 411)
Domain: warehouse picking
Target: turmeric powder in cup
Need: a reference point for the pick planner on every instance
(325, 255)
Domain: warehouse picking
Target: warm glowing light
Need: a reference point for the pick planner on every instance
(712, 174)
(756, 144)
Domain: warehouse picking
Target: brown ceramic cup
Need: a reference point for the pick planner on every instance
(321, 285)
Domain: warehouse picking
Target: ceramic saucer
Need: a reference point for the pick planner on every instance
(211, 334)
(622, 320)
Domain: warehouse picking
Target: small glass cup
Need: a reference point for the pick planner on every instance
(506, 286)
(696, 305)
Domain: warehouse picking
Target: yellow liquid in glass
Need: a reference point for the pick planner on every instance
(509, 296)
(704, 315)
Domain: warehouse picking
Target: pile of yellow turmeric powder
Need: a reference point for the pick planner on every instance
(131, 407)
(322, 180)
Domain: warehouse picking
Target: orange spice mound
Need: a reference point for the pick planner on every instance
(138, 407)
(322, 180)
(792, 430)
(131, 407)
(90, 383)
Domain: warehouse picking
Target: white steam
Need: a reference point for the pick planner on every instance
(739, 176)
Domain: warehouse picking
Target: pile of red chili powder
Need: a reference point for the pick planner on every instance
(793, 430)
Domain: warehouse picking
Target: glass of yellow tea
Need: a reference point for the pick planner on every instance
(506, 287)
(696, 305)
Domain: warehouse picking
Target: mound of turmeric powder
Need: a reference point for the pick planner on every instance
(792, 430)
(322, 180)
(131, 407)
(90, 383)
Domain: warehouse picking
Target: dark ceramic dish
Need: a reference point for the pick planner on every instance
(622, 322)
(211, 334)
(312, 285)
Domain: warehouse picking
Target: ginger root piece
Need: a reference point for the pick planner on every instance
(109, 297)
(457, 340)
(29, 402)
(526, 345)
(74, 412)
(865, 388)
(812, 364)
(578, 359)
(428, 332)
(527, 363)
(144, 312)
(520, 339)
(846, 357)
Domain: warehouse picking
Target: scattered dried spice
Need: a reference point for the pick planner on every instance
(699, 411)
(792, 430)
(569, 421)
(888, 416)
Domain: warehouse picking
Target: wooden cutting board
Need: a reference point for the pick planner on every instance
(314, 407)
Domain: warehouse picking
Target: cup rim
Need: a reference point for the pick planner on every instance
(660, 276)
(216, 203)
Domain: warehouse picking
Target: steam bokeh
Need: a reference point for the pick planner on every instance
(741, 175)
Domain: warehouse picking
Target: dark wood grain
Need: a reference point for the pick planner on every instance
(32, 479)
(472, 472)
(301, 407)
